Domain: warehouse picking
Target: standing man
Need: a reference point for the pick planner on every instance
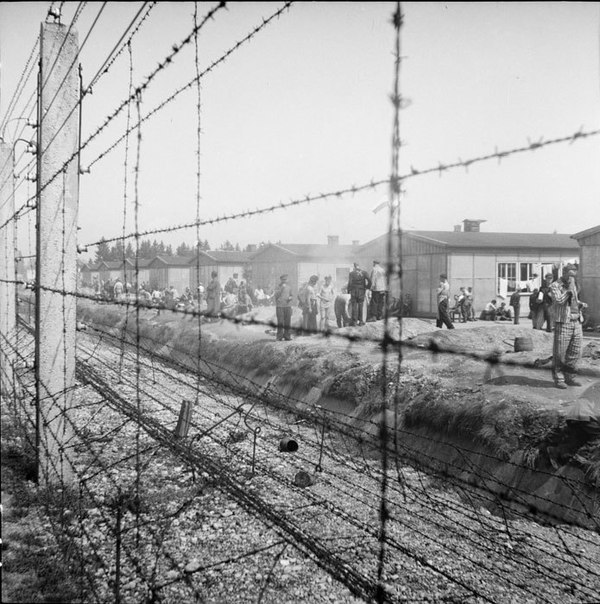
(568, 335)
(378, 290)
(283, 308)
(118, 289)
(515, 302)
(443, 295)
(547, 303)
(358, 284)
(326, 297)
(312, 302)
(213, 295)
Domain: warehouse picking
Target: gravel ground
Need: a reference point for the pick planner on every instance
(217, 517)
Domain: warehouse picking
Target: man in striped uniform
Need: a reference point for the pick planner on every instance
(568, 335)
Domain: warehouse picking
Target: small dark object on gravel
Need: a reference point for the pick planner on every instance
(288, 445)
(303, 479)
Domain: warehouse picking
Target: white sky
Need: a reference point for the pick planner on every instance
(303, 108)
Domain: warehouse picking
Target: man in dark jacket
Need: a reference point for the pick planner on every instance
(358, 283)
(515, 302)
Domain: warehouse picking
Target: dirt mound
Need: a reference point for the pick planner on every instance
(491, 337)
(375, 330)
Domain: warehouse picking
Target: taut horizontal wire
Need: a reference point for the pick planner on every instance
(580, 134)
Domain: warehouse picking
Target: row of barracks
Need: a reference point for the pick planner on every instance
(493, 264)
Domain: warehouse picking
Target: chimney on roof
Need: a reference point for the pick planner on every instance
(355, 242)
(472, 226)
(457, 228)
(333, 240)
(251, 247)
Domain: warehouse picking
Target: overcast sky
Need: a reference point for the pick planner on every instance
(303, 108)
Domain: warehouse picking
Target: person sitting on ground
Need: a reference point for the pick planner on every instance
(489, 313)
(229, 304)
(504, 313)
(144, 296)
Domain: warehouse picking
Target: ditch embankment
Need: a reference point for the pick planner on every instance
(459, 404)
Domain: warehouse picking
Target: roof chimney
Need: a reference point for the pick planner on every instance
(251, 247)
(355, 242)
(472, 226)
(333, 240)
(457, 228)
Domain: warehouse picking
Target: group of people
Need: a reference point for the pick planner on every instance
(555, 305)
(463, 304)
(320, 303)
(232, 299)
(111, 289)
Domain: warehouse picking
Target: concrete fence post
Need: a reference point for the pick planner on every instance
(56, 268)
(8, 326)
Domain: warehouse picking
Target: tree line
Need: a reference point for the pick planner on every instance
(150, 249)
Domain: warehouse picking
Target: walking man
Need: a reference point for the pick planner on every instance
(443, 295)
(283, 308)
(568, 335)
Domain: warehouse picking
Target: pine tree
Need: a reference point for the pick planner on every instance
(102, 251)
(183, 250)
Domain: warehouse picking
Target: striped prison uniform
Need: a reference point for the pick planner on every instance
(568, 334)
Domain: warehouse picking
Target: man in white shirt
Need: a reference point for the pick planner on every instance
(378, 290)
(443, 295)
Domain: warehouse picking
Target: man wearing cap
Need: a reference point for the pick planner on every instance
(358, 284)
(378, 290)
(568, 335)
(283, 308)
(443, 295)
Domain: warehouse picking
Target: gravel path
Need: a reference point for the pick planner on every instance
(217, 517)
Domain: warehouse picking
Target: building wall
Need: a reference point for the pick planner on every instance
(115, 274)
(265, 274)
(143, 275)
(480, 270)
(159, 278)
(204, 271)
(424, 264)
(179, 278)
(589, 277)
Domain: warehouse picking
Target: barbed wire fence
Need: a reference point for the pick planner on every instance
(122, 471)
